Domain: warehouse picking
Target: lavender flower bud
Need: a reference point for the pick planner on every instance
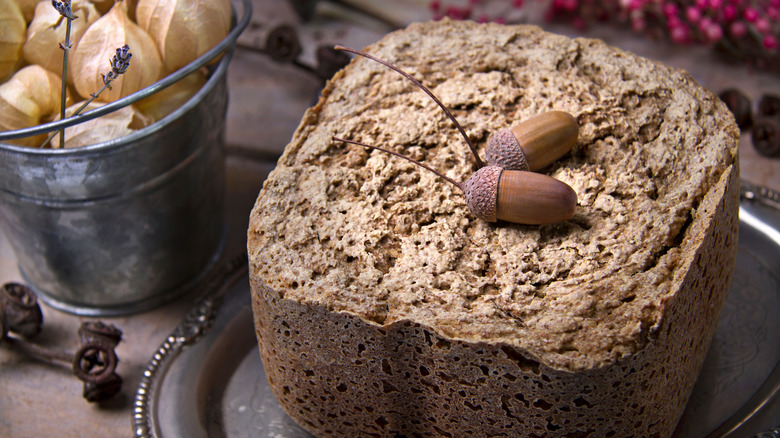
(64, 9)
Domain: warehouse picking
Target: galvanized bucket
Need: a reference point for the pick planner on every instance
(125, 225)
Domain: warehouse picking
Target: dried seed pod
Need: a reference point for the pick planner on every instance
(30, 97)
(115, 124)
(769, 105)
(184, 29)
(47, 31)
(282, 43)
(98, 331)
(22, 312)
(329, 61)
(99, 44)
(94, 362)
(739, 105)
(103, 390)
(168, 100)
(534, 143)
(766, 136)
(13, 31)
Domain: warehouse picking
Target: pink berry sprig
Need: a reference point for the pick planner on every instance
(747, 28)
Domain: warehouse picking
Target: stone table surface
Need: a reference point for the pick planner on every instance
(267, 100)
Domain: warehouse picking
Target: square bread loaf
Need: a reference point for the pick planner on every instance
(383, 307)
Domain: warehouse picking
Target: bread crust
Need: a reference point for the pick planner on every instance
(356, 343)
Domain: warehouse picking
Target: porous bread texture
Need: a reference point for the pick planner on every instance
(383, 307)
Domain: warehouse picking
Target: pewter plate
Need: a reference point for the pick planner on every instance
(207, 378)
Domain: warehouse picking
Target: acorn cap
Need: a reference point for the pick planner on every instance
(481, 192)
(504, 151)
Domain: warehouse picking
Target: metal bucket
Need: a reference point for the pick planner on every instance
(125, 225)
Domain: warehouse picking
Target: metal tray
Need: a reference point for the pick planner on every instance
(207, 378)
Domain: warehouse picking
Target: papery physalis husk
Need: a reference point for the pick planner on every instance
(184, 29)
(98, 45)
(28, 8)
(31, 97)
(168, 100)
(107, 127)
(13, 30)
(47, 31)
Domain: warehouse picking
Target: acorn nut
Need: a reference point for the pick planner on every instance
(534, 143)
(518, 196)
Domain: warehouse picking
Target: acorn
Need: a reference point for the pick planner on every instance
(534, 143)
(495, 193)
(517, 196)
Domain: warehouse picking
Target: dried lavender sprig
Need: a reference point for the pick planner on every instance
(119, 65)
(64, 8)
